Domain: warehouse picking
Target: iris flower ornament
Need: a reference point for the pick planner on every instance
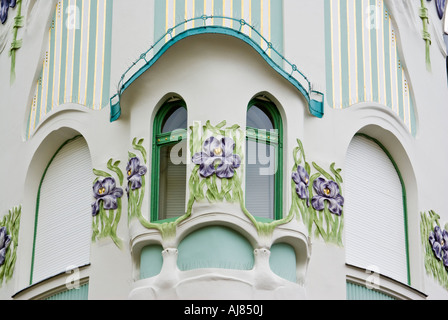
(301, 179)
(4, 7)
(5, 240)
(105, 190)
(217, 158)
(439, 243)
(440, 5)
(327, 191)
(135, 172)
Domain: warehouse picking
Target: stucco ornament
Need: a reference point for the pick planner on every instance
(9, 236)
(324, 217)
(105, 191)
(4, 7)
(439, 243)
(217, 157)
(434, 238)
(302, 179)
(327, 191)
(5, 240)
(106, 210)
(135, 172)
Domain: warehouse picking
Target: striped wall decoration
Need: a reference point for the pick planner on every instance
(362, 58)
(265, 15)
(76, 68)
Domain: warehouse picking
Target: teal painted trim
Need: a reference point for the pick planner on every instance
(405, 202)
(92, 53)
(357, 292)
(36, 216)
(151, 261)
(316, 109)
(82, 293)
(344, 54)
(328, 52)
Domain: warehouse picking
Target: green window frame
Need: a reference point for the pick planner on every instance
(161, 140)
(274, 139)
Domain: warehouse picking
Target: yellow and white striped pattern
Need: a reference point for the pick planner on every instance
(76, 68)
(363, 61)
(265, 15)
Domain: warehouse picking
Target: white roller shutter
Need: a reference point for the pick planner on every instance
(64, 212)
(374, 211)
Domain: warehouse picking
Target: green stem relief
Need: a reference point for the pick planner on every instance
(16, 44)
(426, 35)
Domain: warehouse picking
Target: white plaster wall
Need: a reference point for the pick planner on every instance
(224, 74)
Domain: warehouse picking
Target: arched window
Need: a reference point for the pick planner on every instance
(169, 169)
(264, 160)
(63, 225)
(375, 210)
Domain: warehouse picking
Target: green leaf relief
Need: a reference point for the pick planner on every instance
(433, 266)
(105, 223)
(11, 222)
(323, 224)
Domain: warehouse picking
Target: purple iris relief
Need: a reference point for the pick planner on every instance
(439, 243)
(440, 5)
(301, 179)
(5, 240)
(327, 191)
(105, 190)
(135, 172)
(4, 7)
(217, 151)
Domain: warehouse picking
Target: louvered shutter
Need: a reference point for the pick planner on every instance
(64, 212)
(172, 186)
(374, 211)
(260, 181)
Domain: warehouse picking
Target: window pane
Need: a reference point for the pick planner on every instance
(172, 180)
(260, 179)
(259, 119)
(175, 119)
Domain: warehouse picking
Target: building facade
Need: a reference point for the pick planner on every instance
(223, 149)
